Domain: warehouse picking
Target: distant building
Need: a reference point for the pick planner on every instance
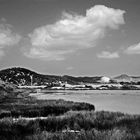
(105, 79)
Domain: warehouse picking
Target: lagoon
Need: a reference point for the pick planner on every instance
(126, 101)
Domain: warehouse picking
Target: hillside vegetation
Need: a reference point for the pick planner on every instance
(25, 77)
(22, 76)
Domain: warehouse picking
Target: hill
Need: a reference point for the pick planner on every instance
(126, 78)
(23, 76)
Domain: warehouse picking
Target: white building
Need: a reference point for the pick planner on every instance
(105, 79)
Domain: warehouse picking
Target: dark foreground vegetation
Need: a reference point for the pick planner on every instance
(30, 107)
(74, 125)
(64, 120)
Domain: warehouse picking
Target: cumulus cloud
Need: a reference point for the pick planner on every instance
(7, 37)
(134, 49)
(108, 55)
(73, 32)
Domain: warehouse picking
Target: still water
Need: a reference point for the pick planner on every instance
(126, 101)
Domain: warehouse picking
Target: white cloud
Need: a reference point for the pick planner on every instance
(7, 37)
(108, 55)
(73, 32)
(134, 49)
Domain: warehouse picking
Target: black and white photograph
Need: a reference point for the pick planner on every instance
(69, 69)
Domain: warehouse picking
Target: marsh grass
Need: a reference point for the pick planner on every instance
(86, 125)
(35, 108)
(65, 120)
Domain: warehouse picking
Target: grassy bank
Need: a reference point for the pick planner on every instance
(74, 125)
(30, 107)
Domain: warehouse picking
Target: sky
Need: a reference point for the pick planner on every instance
(73, 37)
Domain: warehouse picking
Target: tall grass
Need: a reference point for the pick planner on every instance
(86, 125)
(36, 108)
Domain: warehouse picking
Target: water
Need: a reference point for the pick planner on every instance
(126, 101)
